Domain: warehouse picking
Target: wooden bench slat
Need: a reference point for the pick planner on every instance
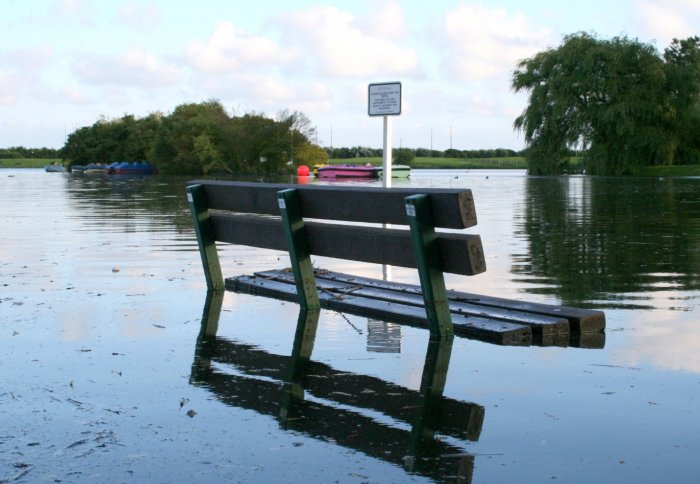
(482, 329)
(581, 320)
(452, 208)
(542, 325)
(461, 253)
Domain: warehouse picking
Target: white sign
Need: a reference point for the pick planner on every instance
(384, 99)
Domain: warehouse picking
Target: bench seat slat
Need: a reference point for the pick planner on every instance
(541, 324)
(580, 320)
(482, 329)
(461, 253)
(452, 208)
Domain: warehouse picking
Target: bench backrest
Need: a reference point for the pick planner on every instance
(308, 220)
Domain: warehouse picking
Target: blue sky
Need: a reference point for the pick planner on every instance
(66, 63)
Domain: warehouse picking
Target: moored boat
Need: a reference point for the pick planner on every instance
(89, 168)
(54, 168)
(398, 171)
(95, 168)
(135, 168)
(348, 171)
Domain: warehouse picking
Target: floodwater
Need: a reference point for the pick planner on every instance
(118, 367)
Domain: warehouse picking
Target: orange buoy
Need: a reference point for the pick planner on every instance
(303, 170)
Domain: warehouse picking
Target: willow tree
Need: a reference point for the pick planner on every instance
(608, 97)
(682, 60)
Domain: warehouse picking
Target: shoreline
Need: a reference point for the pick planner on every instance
(426, 164)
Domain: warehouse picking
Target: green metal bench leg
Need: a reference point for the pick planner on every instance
(204, 230)
(299, 253)
(432, 282)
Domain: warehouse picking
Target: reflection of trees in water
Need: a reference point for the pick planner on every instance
(130, 203)
(127, 203)
(591, 238)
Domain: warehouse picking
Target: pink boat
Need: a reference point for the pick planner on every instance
(348, 171)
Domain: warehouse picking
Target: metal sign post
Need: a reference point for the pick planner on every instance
(386, 155)
(384, 99)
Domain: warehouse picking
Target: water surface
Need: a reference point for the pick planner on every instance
(109, 372)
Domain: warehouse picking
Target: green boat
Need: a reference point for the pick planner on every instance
(397, 171)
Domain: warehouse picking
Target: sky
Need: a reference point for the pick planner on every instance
(65, 64)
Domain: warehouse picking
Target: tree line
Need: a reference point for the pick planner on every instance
(16, 152)
(134, 139)
(198, 138)
(362, 151)
(618, 101)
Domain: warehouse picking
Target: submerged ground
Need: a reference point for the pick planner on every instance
(108, 375)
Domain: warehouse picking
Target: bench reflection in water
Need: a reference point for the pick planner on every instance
(322, 402)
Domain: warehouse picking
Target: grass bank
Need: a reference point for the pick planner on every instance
(681, 170)
(515, 162)
(26, 162)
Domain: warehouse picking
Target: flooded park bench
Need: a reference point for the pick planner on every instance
(381, 419)
(426, 232)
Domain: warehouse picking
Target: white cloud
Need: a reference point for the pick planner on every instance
(10, 87)
(67, 12)
(139, 16)
(668, 19)
(135, 67)
(232, 50)
(272, 94)
(485, 42)
(76, 95)
(21, 71)
(386, 21)
(348, 46)
(70, 6)
(28, 60)
(275, 94)
(656, 338)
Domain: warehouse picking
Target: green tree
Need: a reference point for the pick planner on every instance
(173, 150)
(208, 155)
(142, 134)
(403, 156)
(682, 59)
(310, 155)
(300, 123)
(195, 138)
(262, 145)
(609, 97)
(22, 152)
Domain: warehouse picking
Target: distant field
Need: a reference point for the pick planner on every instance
(472, 163)
(518, 162)
(25, 162)
(515, 162)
